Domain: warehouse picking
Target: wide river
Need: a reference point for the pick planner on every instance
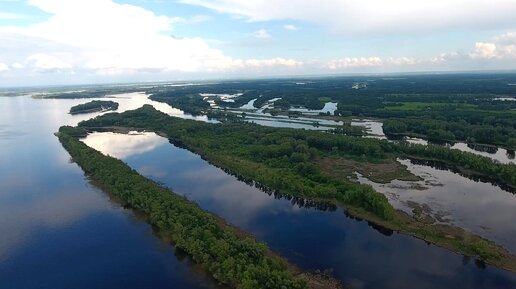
(60, 231)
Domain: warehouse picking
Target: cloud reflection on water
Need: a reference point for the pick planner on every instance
(456, 199)
(123, 145)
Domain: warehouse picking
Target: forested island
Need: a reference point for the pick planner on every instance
(94, 106)
(229, 255)
(302, 163)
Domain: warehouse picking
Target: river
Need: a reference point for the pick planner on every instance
(60, 231)
(355, 251)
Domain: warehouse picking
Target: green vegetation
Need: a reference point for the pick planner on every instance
(451, 131)
(461, 107)
(294, 153)
(229, 256)
(193, 104)
(381, 172)
(448, 107)
(291, 161)
(283, 159)
(464, 161)
(94, 106)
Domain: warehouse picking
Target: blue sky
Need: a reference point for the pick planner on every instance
(75, 41)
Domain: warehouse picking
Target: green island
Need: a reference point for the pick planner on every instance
(228, 254)
(94, 106)
(296, 162)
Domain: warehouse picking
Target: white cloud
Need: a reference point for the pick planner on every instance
(261, 34)
(199, 19)
(112, 39)
(17, 65)
(12, 16)
(290, 27)
(42, 62)
(402, 60)
(484, 50)
(375, 63)
(3, 67)
(502, 47)
(498, 53)
(378, 16)
(351, 62)
(191, 20)
(508, 38)
(274, 62)
(102, 38)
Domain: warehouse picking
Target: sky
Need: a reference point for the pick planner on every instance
(52, 42)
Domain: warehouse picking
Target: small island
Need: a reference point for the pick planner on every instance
(94, 106)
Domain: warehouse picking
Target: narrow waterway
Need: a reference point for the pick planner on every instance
(356, 252)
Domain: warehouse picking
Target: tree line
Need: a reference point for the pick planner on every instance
(286, 161)
(232, 259)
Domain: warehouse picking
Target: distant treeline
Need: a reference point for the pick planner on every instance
(465, 107)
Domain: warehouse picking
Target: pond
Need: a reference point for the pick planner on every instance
(453, 199)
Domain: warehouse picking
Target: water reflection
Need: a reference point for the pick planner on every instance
(373, 128)
(359, 253)
(55, 211)
(249, 105)
(124, 145)
(57, 230)
(131, 101)
(286, 124)
(451, 198)
(329, 107)
(498, 154)
(501, 155)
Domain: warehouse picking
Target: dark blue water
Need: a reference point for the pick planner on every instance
(357, 253)
(59, 231)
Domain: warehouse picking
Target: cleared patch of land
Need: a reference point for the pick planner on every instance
(382, 172)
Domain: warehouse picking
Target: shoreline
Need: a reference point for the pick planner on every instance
(453, 238)
(314, 281)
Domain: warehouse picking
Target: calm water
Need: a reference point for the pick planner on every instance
(59, 231)
(501, 155)
(329, 107)
(456, 200)
(373, 129)
(311, 238)
(498, 154)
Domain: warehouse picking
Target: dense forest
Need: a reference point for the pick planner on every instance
(280, 158)
(229, 256)
(94, 106)
(294, 151)
(288, 161)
